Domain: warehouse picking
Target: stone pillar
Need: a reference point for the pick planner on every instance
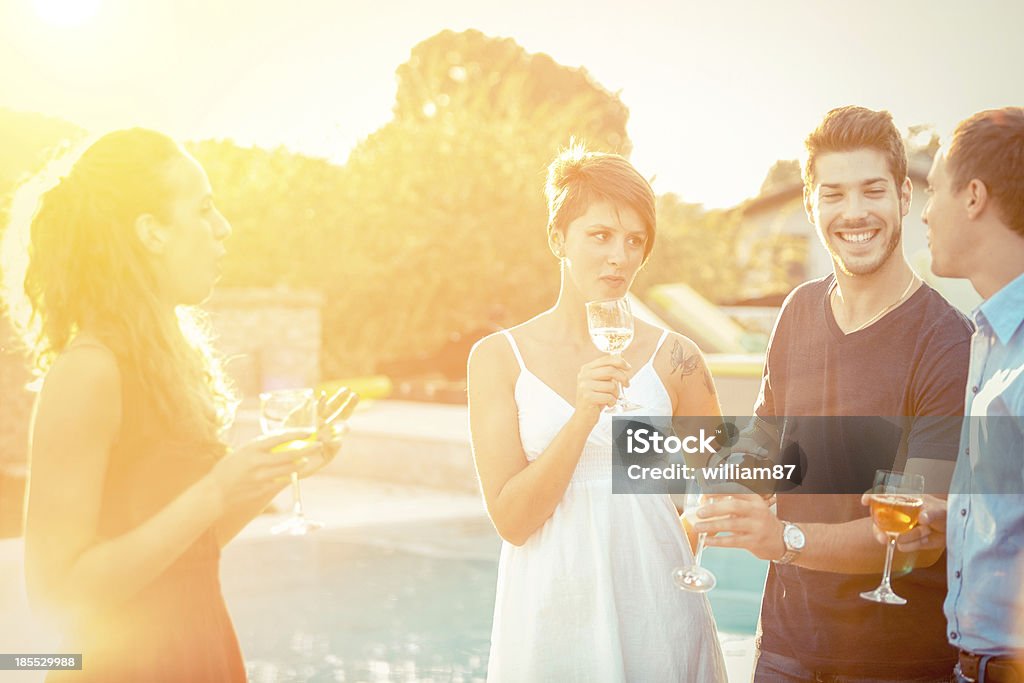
(269, 337)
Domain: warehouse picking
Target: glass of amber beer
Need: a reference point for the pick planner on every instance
(896, 503)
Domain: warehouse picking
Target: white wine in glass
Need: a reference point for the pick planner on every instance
(287, 409)
(695, 578)
(610, 323)
(612, 339)
(896, 503)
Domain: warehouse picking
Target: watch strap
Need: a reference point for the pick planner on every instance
(791, 552)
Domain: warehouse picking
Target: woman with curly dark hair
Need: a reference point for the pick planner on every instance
(132, 492)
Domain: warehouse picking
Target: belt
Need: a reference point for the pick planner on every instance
(996, 669)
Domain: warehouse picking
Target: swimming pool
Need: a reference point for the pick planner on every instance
(409, 602)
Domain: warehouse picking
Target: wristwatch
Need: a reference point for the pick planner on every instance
(794, 539)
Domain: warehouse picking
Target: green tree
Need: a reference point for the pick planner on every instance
(29, 141)
(284, 210)
(494, 79)
(693, 246)
(446, 201)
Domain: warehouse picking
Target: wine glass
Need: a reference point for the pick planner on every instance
(287, 409)
(611, 328)
(896, 503)
(695, 578)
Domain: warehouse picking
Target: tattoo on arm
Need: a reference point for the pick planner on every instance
(687, 365)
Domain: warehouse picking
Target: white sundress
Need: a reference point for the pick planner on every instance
(589, 596)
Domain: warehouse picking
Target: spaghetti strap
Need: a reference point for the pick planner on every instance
(661, 342)
(515, 349)
(592, 536)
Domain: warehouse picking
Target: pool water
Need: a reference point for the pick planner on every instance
(398, 603)
(736, 599)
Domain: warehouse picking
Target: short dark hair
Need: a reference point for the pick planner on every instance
(989, 146)
(849, 128)
(578, 178)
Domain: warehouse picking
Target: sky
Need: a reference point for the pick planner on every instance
(717, 91)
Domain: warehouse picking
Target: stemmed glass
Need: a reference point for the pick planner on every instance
(695, 578)
(288, 409)
(896, 502)
(611, 328)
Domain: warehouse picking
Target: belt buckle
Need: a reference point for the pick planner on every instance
(960, 669)
(964, 676)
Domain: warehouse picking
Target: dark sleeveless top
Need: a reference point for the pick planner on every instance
(177, 628)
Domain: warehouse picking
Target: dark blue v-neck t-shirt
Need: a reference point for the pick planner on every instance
(912, 362)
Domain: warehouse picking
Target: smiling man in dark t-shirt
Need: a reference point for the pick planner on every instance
(867, 343)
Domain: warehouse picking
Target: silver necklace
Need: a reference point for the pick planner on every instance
(882, 312)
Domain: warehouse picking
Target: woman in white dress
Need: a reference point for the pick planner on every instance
(585, 591)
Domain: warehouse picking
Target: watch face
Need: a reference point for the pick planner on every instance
(794, 538)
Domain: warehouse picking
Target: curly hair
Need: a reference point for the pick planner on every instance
(72, 261)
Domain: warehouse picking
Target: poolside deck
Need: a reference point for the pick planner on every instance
(350, 507)
(402, 464)
(405, 442)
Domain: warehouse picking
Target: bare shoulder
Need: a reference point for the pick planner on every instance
(83, 387)
(89, 366)
(495, 350)
(491, 357)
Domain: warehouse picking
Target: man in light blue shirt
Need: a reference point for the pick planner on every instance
(975, 218)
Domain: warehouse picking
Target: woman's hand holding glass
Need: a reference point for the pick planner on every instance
(611, 327)
(260, 468)
(331, 414)
(290, 408)
(598, 382)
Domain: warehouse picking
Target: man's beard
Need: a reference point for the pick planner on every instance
(869, 268)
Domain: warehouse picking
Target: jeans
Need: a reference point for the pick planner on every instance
(774, 668)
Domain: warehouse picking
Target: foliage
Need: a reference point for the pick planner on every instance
(28, 141)
(494, 79)
(439, 215)
(693, 246)
(922, 140)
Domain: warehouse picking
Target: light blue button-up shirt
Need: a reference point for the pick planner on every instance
(985, 524)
